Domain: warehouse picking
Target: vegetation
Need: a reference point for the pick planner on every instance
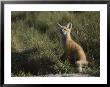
(36, 45)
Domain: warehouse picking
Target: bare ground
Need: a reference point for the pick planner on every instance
(66, 75)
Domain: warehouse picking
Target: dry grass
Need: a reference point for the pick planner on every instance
(36, 42)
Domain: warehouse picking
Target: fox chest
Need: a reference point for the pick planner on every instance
(70, 52)
(69, 45)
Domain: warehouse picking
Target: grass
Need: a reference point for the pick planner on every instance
(36, 45)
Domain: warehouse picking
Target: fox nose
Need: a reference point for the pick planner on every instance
(60, 30)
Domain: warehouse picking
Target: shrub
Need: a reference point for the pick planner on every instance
(36, 42)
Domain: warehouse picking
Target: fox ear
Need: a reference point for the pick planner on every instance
(69, 25)
(60, 25)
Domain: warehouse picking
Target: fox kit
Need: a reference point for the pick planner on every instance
(73, 51)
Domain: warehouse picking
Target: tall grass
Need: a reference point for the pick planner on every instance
(36, 41)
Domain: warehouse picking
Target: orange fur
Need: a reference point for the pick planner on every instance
(72, 49)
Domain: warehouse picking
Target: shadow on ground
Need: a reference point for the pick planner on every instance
(28, 62)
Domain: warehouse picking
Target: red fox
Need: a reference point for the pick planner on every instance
(73, 51)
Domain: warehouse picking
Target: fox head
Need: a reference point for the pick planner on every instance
(65, 30)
